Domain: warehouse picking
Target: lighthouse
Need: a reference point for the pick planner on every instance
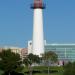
(38, 34)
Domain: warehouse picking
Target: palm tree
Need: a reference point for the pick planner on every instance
(49, 57)
(31, 59)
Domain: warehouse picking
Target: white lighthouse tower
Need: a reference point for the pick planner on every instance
(38, 37)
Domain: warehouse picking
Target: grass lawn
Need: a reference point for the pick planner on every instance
(1, 72)
(47, 74)
(50, 74)
(43, 69)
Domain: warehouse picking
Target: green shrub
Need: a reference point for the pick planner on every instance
(69, 69)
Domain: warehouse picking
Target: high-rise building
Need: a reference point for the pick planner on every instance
(38, 37)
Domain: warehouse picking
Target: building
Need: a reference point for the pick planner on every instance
(65, 52)
(0, 49)
(21, 51)
(13, 49)
(24, 53)
(30, 47)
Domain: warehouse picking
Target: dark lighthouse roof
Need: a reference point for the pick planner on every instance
(38, 4)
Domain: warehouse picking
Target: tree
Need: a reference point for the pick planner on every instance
(69, 69)
(9, 61)
(49, 57)
(31, 59)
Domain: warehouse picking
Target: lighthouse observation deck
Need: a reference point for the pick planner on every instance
(38, 4)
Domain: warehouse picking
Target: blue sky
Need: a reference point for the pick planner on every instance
(16, 21)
